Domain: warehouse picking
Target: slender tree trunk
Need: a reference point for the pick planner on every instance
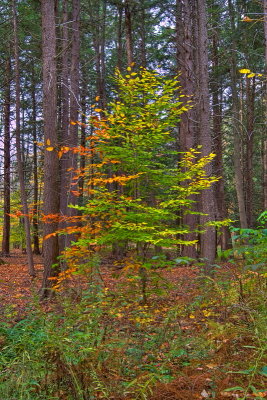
(35, 220)
(18, 147)
(207, 239)
(7, 99)
(51, 170)
(83, 134)
(65, 124)
(236, 126)
(74, 110)
(128, 31)
(119, 44)
(143, 36)
(250, 117)
(103, 98)
(221, 208)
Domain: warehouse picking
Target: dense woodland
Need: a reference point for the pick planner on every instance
(134, 172)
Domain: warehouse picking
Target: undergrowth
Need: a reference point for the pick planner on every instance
(107, 344)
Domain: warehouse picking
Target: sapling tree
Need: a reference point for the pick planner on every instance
(138, 186)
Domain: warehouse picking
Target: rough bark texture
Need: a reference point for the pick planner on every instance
(221, 209)
(265, 101)
(207, 239)
(236, 127)
(128, 31)
(119, 37)
(35, 219)
(249, 141)
(51, 171)
(7, 99)
(20, 163)
(65, 121)
(187, 128)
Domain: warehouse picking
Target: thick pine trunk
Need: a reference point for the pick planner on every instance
(207, 202)
(265, 114)
(187, 128)
(51, 170)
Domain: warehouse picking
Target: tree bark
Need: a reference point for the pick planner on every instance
(208, 238)
(236, 126)
(265, 114)
(20, 163)
(35, 218)
(187, 127)
(216, 89)
(128, 31)
(7, 100)
(65, 124)
(249, 141)
(51, 170)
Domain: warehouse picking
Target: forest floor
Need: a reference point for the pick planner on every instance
(206, 377)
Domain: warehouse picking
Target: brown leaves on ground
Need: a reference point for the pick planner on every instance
(201, 380)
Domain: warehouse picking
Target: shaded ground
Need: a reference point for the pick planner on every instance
(200, 380)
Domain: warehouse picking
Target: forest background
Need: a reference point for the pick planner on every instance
(134, 134)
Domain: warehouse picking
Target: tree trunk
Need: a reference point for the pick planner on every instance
(74, 112)
(51, 170)
(119, 37)
(65, 124)
(187, 128)
(207, 239)
(20, 163)
(128, 31)
(35, 218)
(216, 85)
(7, 99)
(236, 126)
(265, 114)
(249, 140)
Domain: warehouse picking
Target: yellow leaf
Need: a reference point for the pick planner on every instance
(129, 68)
(97, 98)
(48, 142)
(98, 110)
(251, 75)
(50, 148)
(244, 71)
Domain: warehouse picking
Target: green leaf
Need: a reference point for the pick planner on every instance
(263, 371)
(234, 388)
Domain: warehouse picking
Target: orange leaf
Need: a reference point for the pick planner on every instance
(48, 142)
(50, 235)
(247, 19)
(50, 148)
